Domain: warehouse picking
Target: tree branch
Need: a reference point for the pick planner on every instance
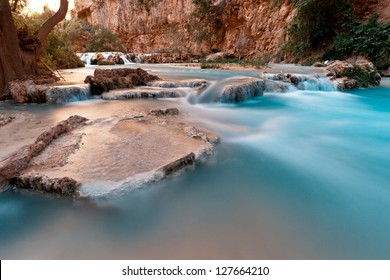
(48, 26)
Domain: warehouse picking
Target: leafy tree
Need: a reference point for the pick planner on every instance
(104, 40)
(21, 52)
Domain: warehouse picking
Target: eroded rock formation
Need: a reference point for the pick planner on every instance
(148, 26)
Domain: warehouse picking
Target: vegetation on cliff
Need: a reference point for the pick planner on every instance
(335, 25)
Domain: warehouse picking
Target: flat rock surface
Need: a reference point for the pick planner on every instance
(124, 147)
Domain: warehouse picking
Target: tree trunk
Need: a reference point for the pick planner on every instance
(15, 62)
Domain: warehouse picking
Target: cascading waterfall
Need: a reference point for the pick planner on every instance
(86, 57)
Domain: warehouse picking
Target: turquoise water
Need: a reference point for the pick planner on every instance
(300, 175)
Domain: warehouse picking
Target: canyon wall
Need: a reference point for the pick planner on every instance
(163, 25)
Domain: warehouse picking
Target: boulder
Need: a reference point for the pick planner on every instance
(105, 80)
(360, 70)
(96, 58)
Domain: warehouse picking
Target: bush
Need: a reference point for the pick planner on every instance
(364, 77)
(370, 39)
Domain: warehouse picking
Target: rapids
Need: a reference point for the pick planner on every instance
(298, 175)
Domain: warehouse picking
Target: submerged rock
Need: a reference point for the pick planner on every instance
(105, 80)
(142, 92)
(65, 185)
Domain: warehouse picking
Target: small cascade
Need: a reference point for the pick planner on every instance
(179, 84)
(235, 89)
(315, 83)
(86, 57)
(291, 82)
(65, 94)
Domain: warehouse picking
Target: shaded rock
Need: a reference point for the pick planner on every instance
(318, 64)
(66, 186)
(118, 59)
(105, 80)
(164, 112)
(18, 162)
(27, 91)
(346, 83)
(178, 165)
(96, 58)
(242, 90)
(106, 61)
(142, 92)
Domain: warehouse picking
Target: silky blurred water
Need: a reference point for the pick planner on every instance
(300, 175)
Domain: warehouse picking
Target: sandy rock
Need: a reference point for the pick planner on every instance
(65, 185)
(14, 165)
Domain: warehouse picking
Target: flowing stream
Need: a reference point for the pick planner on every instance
(297, 175)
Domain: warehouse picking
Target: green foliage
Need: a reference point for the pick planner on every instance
(205, 21)
(104, 40)
(370, 39)
(315, 24)
(364, 77)
(205, 65)
(58, 50)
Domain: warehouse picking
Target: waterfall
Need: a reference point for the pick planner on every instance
(86, 57)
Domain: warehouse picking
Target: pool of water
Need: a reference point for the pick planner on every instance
(300, 175)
